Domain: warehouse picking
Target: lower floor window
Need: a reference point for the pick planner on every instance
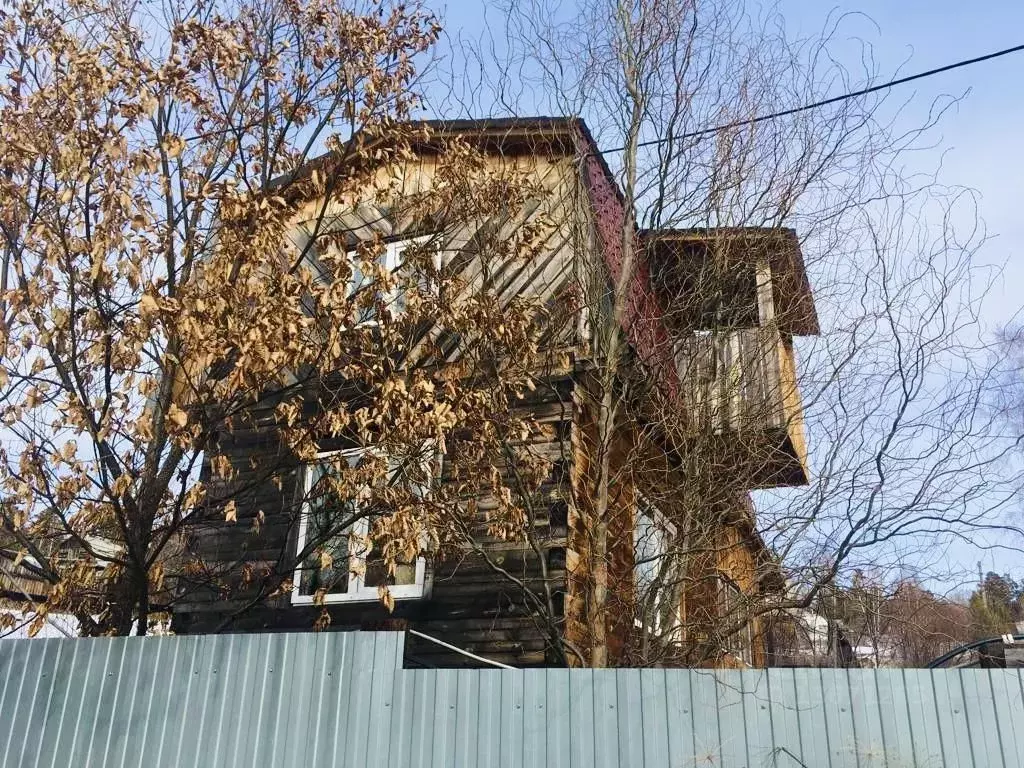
(730, 611)
(342, 566)
(655, 573)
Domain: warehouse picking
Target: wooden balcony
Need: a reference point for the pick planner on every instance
(740, 394)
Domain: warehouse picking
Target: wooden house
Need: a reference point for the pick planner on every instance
(17, 584)
(726, 361)
(23, 589)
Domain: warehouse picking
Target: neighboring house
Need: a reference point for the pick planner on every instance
(17, 583)
(802, 638)
(867, 625)
(22, 589)
(738, 386)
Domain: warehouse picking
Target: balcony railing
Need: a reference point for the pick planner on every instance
(742, 382)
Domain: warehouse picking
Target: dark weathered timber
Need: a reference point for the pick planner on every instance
(469, 604)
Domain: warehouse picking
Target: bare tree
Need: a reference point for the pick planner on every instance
(179, 280)
(871, 622)
(904, 453)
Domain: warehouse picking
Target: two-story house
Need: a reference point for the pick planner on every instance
(710, 320)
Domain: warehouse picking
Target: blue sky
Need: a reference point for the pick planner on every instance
(981, 144)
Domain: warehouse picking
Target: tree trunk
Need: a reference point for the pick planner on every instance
(597, 605)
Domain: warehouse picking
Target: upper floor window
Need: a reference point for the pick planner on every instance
(730, 611)
(344, 566)
(390, 260)
(313, 239)
(655, 576)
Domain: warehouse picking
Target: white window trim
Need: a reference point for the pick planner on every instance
(644, 505)
(392, 261)
(357, 591)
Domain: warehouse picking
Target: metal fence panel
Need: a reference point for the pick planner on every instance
(342, 699)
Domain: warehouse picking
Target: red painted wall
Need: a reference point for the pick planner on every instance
(642, 321)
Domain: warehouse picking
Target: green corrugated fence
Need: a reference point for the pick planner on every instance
(342, 699)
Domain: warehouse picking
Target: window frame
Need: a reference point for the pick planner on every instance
(644, 506)
(356, 590)
(739, 644)
(393, 250)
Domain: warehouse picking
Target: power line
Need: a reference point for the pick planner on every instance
(826, 102)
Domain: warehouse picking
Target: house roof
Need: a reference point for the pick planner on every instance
(20, 573)
(342, 699)
(509, 135)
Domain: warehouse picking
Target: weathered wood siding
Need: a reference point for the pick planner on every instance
(741, 384)
(736, 557)
(581, 555)
(469, 603)
(731, 379)
(722, 541)
(551, 278)
(17, 586)
(475, 607)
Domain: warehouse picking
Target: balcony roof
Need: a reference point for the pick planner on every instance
(791, 288)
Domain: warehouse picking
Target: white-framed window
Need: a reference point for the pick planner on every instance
(730, 609)
(391, 260)
(343, 568)
(655, 576)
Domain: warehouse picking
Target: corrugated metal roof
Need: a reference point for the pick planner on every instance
(341, 699)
